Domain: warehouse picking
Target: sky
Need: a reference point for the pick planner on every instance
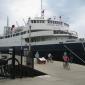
(72, 12)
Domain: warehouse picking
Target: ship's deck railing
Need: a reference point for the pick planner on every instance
(73, 33)
(48, 21)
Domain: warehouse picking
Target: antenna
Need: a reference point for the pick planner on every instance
(7, 21)
(24, 21)
(42, 11)
(41, 5)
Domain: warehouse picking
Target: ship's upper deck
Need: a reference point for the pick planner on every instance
(40, 27)
(40, 22)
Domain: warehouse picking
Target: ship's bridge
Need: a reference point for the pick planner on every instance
(41, 23)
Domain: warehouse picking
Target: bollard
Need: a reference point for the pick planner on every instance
(12, 51)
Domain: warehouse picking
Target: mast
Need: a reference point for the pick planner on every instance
(7, 21)
(41, 5)
(42, 11)
(6, 28)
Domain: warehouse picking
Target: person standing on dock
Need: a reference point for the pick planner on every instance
(37, 56)
(50, 58)
(66, 61)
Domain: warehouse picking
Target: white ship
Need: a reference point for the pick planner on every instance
(44, 35)
(42, 32)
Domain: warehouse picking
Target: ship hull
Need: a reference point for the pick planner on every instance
(74, 50)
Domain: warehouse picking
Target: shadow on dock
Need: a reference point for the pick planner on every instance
(24, 72)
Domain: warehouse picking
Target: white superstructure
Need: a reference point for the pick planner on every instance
(40, 30)
(43, 31)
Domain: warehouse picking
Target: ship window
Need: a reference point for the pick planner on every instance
(14, 35)
(57, 22)
(55, 32)
(66, 24)
(1, 37)
(17, 34)
(23, 32)
(42, 38)
(43, 21)
(53, 22)
(48, 21)
(38, 21)
(31, 21)
(7, 36)
(59, 32)
(27, 39)
(10, 35)
(34, 21)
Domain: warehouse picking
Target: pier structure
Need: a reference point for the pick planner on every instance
(55, 75)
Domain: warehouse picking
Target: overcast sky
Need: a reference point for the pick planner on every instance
(72, 12)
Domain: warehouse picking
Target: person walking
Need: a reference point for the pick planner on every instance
(50, 58)
(66, 62)
(37, 56)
